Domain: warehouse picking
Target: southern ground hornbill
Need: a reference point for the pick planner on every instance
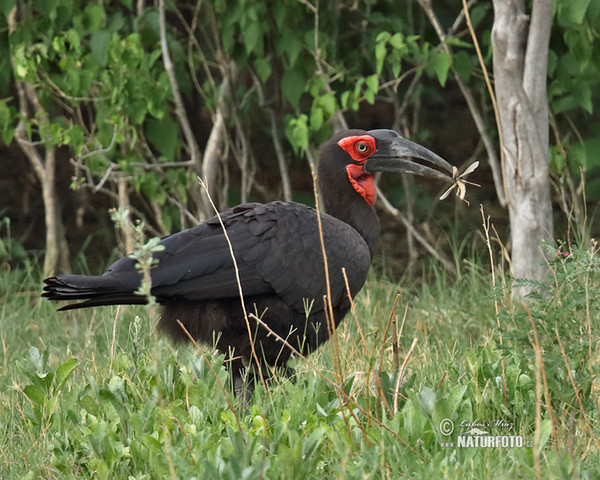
(279, 256)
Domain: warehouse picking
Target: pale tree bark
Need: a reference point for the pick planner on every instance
(217, 140)
(44, 165)
(520, 45)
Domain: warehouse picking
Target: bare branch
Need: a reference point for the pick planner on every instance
(388, 207)
(213, 152)
(283, 170)
(472, 104)
(179, 107)
(106, 176)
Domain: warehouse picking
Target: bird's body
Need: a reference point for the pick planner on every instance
(274, 257)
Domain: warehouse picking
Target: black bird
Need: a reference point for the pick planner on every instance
(279, 258)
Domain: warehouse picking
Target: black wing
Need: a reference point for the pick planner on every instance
(277, 249)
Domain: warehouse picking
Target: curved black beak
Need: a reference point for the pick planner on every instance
(397, 154)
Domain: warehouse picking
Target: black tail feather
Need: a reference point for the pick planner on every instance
(96, 291)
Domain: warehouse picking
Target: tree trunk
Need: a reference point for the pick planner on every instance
(57, 253)
(520, 45)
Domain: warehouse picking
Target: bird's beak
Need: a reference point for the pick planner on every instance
(397, 154)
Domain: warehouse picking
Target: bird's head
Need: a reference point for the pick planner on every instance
(360, 153)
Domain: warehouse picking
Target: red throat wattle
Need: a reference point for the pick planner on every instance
(362, 182)
(360, 148)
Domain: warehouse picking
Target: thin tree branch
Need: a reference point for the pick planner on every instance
(213, 152)
(388, 207)
(283, 170)
(179, 107)
(471, 103)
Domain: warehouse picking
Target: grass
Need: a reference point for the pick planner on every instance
(75, 404)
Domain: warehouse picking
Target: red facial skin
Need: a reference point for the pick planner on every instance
(360, 148)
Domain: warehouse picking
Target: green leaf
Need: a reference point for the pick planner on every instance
(316, 118)
(164, 135)
(462, 63)
(344, 98)
(263, 68)
(7, 135)
(293, 48)
(64, 371)
(6, 118)
(293, 84)
(457, 42)
(35, 394)
(99, 46)
(545, 430)
(327, 103)
(574, 10)
(397, 41)
(21, 63)
(440, 63)
(580, 45)
(252, 35)
(94, 15)
(296, 132)
(90, 405)
(6, 6)
(380, 54)
(372, 82)
(47, 7)
(426, 399)
(583, 95)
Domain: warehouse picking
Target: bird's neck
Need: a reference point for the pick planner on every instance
(357, 213)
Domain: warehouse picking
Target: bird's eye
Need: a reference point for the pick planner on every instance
(361, 147)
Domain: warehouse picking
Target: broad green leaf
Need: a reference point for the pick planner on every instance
(46, 7)
(252, 35)
(580, 45)
(426, 398)
(344, 98)
(545, 431)
(327, 103)
(397, 41)
(263, 68)
(296, 132)
(372, 82)
(8, 134)
(6, 6)
(457, 42)
(35, 394)
(463, 65)
(164, 135)
(316, 118)
(99, 46)
(65, 370)
(293, 84)
(21, 63)
(95, 16)
(574, 10)
(380, 53)
(90, 405)
(440, 63)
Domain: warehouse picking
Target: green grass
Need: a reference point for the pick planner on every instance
(70, 407)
